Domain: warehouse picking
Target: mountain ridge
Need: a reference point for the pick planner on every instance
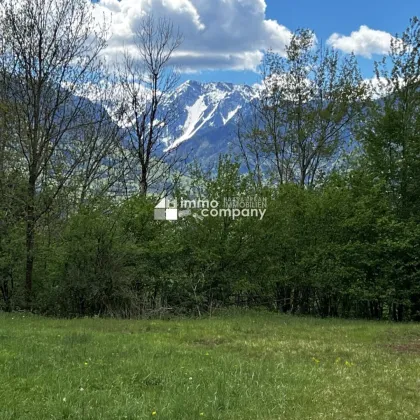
(206, 115)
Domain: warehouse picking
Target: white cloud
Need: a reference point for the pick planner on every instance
(364, 42)
(218, 34)
(377, 87)
(382, 86)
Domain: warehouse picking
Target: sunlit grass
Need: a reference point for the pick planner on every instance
(238, 366)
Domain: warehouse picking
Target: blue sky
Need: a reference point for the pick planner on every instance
(326, 17)
(224, 39)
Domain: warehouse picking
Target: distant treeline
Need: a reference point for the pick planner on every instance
(335, 158)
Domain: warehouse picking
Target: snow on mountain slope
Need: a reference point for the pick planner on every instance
(205, 107)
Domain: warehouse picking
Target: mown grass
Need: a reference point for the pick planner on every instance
(238, 366)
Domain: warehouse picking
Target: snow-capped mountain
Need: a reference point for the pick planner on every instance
(206, 116)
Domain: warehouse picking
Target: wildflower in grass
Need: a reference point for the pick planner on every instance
(86, 363)
(81, 389)
(315, 360)
(201, 414)
(190, 378)
(64, 399)
(154, 413)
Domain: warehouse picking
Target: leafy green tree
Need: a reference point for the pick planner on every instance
(391, 136)
(50, 53)
(309, 102)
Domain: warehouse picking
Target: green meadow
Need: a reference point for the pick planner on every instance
(251, 365)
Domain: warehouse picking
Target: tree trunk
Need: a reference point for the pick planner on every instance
(143, 182)
(30, 240)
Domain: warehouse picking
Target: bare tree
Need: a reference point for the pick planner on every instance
(103, 167)
(52, 50)
(148, 81)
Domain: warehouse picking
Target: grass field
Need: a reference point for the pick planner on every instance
(237, 366)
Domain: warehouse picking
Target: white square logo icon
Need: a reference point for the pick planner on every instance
(171, 214)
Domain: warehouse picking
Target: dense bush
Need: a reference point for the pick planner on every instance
(339, 169)
(338, 250)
